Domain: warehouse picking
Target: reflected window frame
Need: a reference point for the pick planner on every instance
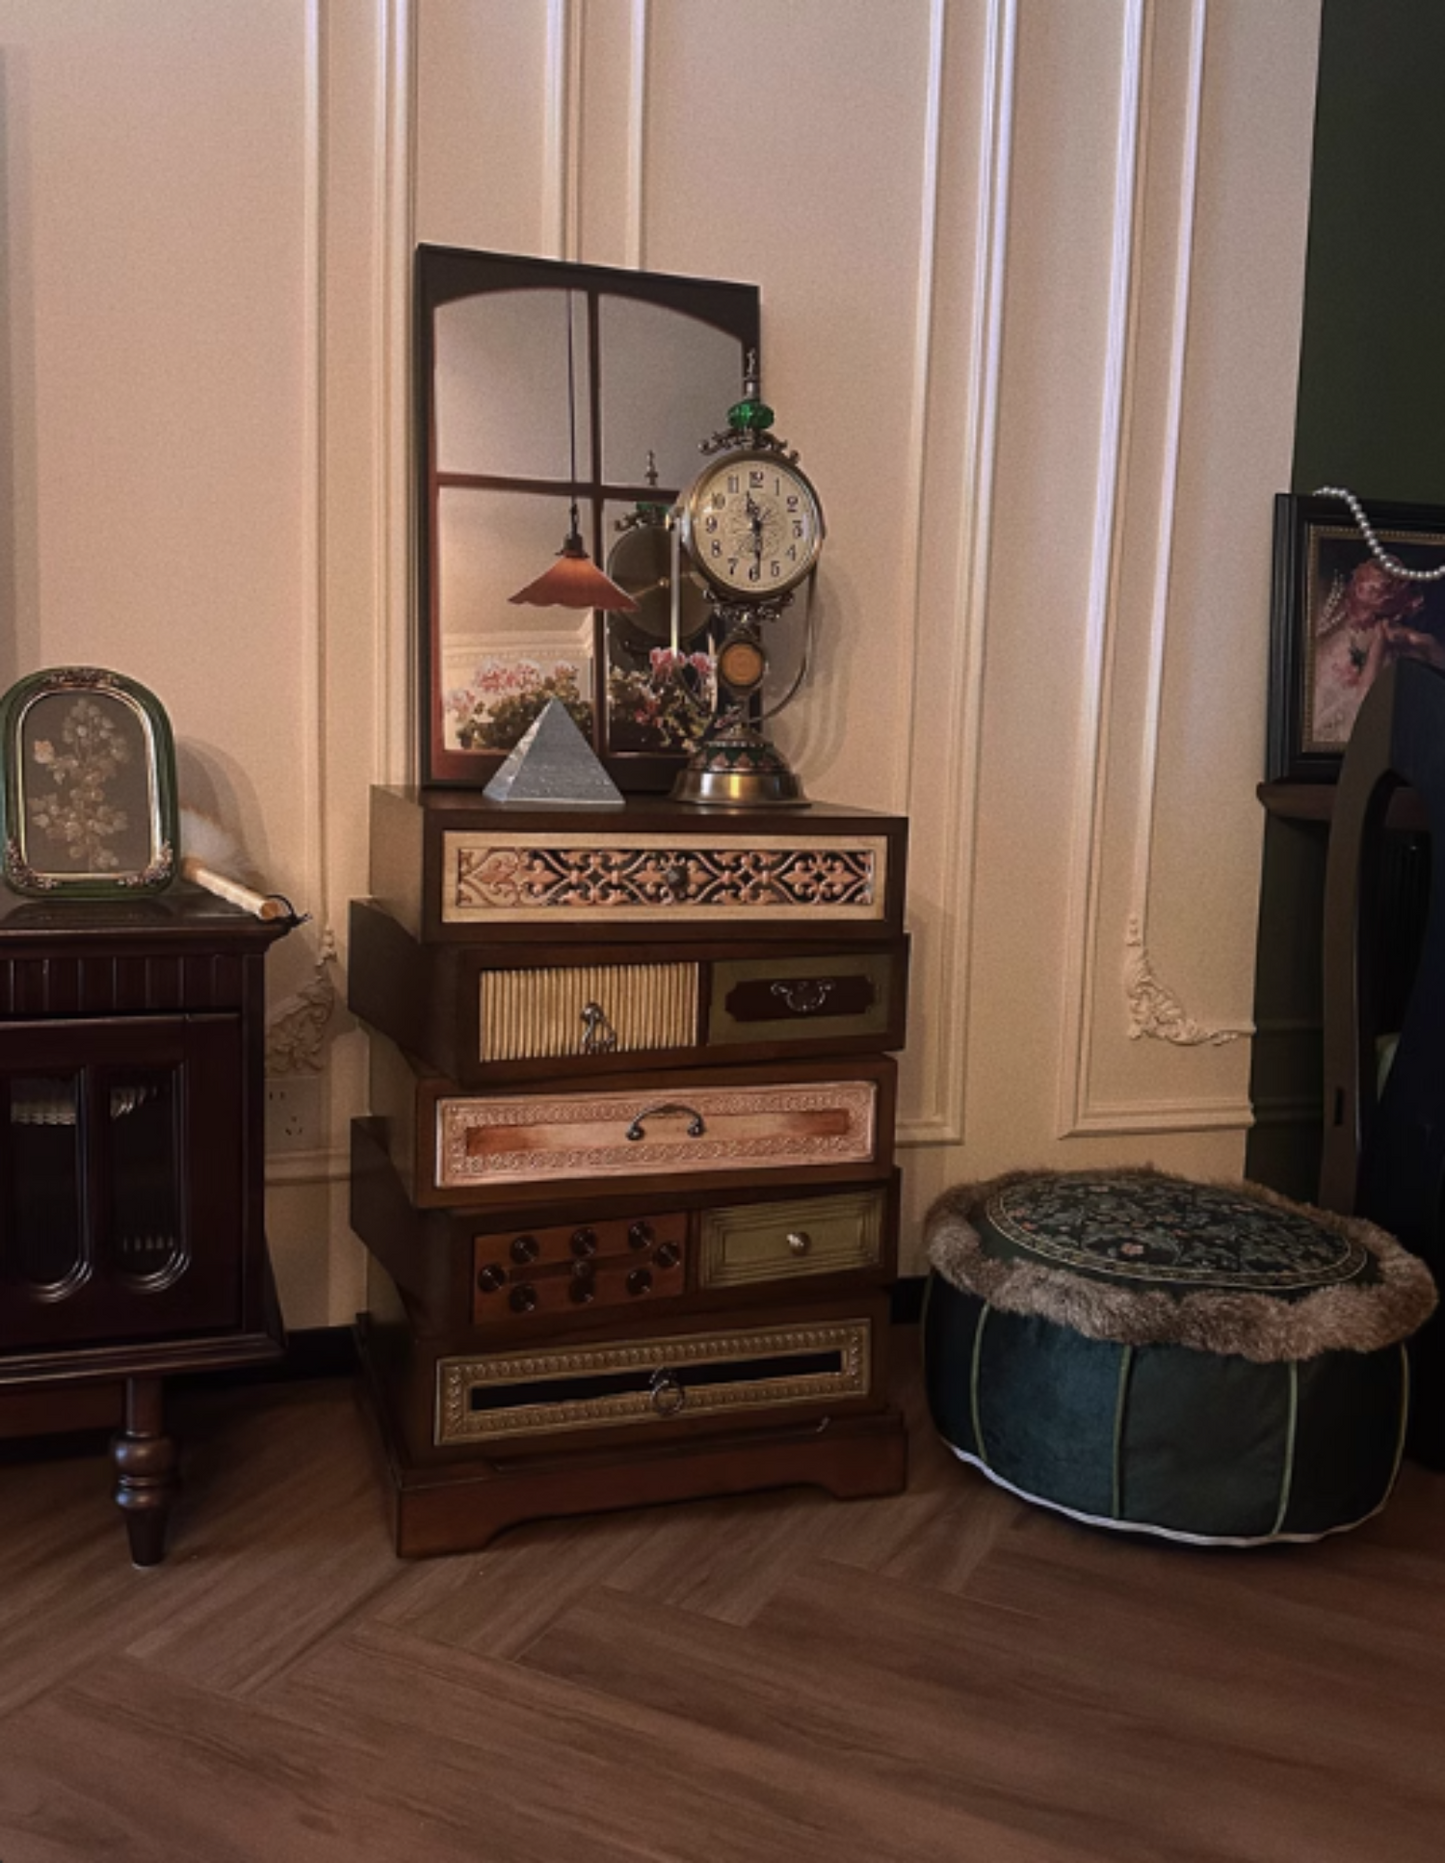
(445, 274)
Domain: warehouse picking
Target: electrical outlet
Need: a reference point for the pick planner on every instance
(293, 1113)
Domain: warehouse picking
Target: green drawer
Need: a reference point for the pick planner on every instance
(782, 1241)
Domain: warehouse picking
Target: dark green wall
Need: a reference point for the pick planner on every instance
(1372, 362)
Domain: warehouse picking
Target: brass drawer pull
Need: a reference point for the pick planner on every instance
(799, 1241)
(666, 1394)
(805, 998)
(696, 1125)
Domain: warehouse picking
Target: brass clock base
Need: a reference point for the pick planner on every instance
(736, 767)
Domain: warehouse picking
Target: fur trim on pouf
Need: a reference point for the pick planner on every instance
(1258, 1326)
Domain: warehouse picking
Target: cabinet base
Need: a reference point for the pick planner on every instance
(463, 1506)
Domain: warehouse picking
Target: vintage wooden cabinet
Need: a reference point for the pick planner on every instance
(131, 1169)
(628, 1184)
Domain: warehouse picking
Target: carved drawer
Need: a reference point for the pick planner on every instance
(569, 1267)
(503, 1396)
(804, 1237)
(481, 1013)
(811, 1121)
(451, 865)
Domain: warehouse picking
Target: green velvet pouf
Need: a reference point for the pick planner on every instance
(1206, 1362)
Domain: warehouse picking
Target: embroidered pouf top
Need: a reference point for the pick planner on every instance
(1206, 1362)
(1140, 1257)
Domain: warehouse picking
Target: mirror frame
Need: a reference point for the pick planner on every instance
(443, 275)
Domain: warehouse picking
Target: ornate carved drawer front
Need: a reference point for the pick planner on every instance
(589, 1009)
(795, 998)
(503, 877)
(531, 1138)
(616, 1263)
(780, 1241)
(515, 1394)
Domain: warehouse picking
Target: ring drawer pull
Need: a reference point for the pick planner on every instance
(805, 998)
(696, 1124)
(666, 1394)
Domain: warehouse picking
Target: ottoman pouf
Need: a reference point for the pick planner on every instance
(1207, 1362)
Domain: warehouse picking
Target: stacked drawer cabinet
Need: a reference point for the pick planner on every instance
(627, 1186)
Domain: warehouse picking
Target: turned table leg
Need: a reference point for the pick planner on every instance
(145, 1470)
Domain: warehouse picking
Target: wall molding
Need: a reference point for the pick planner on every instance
(1101, 611)
(1156, 1011)
(945, 1057)
(640, 24)
(393, 235)
(562, 130)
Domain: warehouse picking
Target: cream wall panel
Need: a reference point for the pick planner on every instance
(807, 176)
(994, 242)
(491, 123)
(1119, 754)
(1211, 366)
(154, 273)
(1031, 300)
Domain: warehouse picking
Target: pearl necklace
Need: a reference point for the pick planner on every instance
(1381, 555)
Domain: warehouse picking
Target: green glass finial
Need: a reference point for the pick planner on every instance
(749, 416)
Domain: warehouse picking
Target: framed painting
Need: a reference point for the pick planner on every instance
(1338, 616)
(87, 785)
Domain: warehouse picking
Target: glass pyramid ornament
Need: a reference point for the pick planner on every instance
(554, 764)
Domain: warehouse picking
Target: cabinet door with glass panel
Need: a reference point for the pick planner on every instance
(121, 1202)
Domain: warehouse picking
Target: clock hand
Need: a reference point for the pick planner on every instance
(755, 518)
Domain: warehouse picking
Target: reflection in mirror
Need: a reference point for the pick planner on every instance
(700, 366)
(501, 408)
(659, 360)
(498, 673)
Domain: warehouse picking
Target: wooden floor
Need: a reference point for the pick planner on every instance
(946, 1675)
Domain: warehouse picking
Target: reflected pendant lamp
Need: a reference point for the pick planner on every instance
(574, 580)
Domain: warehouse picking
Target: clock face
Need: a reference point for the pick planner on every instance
(753, 525)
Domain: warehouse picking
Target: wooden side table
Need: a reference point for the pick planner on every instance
(132, 1243)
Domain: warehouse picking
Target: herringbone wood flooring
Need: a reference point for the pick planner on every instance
(945, 1675)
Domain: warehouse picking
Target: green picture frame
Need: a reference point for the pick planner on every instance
(87, 786)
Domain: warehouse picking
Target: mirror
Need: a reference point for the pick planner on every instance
(656, 361)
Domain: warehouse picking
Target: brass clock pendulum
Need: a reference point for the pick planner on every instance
(752, 525)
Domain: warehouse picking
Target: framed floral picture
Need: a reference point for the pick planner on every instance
(87, 783)
(1338, 616)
